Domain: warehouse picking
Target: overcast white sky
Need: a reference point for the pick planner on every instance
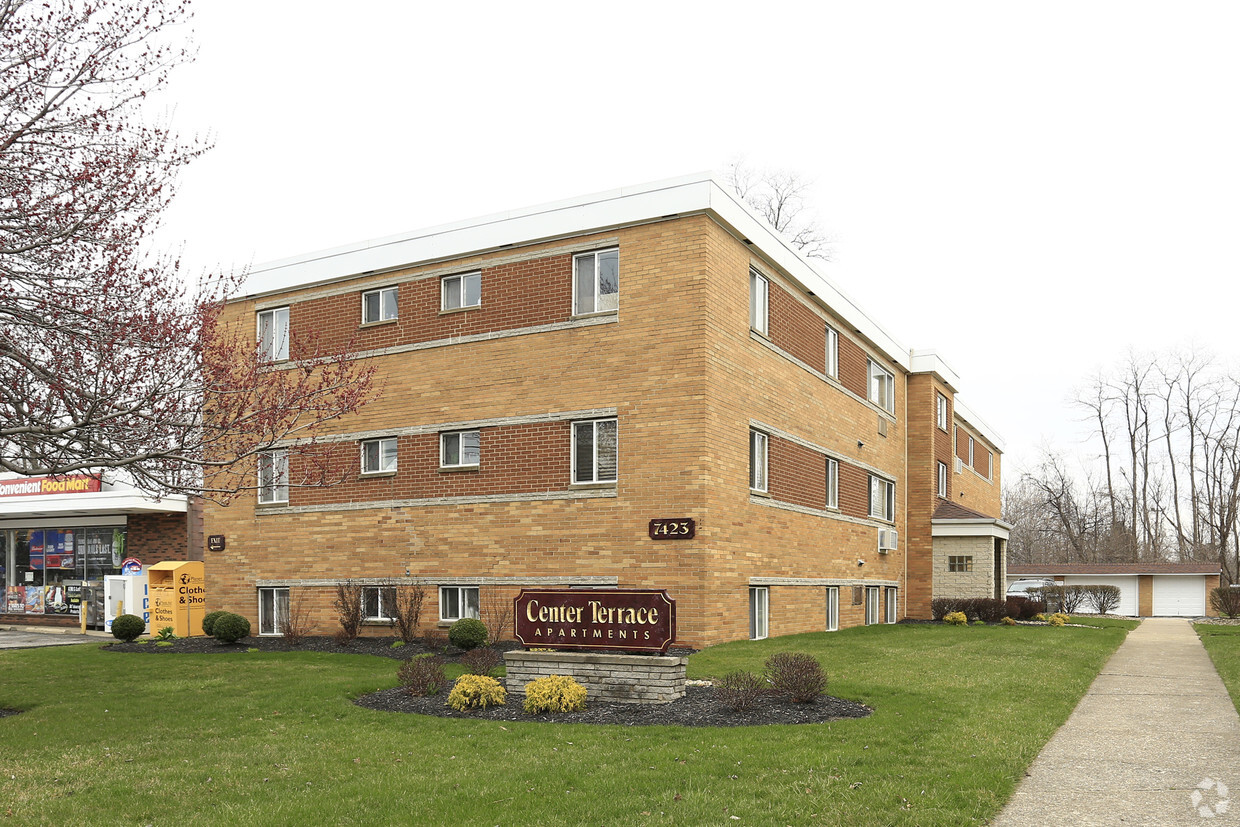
(1030, 189)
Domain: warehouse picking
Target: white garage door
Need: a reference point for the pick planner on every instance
(1127, 590)
(1179, 596)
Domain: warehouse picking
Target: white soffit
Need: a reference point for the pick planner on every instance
(105, 502)
(691, 194)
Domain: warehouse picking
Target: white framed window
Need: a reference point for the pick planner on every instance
(882, 499)
(833, 608)
(379, 456)
(460, 449)
(942, 487)
(833, 483)
(378, 602)
(273, 334)
(940, 402)
(960, 563)
(871, 605)
(273, 476)
(461, 291)
(759, 296)
(596, 282)
(833, 353)
(757, 461)
(990, 465)
(272, 611)
(758, 612)
(881, 389)
(456, 602)
(595, 451)
(379, 305)
(970, 452)
(890, 607)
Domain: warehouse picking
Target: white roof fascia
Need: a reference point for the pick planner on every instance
(970, 528)
(699, 193)
(992, 436)
(105, 502)
(929, 361)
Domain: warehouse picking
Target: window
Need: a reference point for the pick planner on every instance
(871, 605)
(379, 456)
(273, 334)
(272, 611)
(942, 491)
(970, 452)
(990, 465)
(890, 607)
(833, 353)
(833, 483)
(460, 449)
(882, 499)
(960, 563)
(881, 387)
(456, 602)
(596, 282)
(462, 291)
(273, 476)
(757, 460)
(759, 290)
(594, 451)
(833, 608)
(378, 602)
(758, 613)
(379, 305)
(941, 410)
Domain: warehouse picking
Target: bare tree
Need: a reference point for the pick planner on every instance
(108, 358)
(779, 196)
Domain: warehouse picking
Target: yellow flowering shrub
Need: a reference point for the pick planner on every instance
(476, 691)
(1007, 621)
(557, 693)
(956, 619)
(1056, 620)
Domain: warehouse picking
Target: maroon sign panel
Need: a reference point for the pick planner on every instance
(641, 620)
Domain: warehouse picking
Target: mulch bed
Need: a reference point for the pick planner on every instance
(699, 707)
(6, 711)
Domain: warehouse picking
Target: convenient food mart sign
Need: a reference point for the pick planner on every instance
(641, 620)
(28, 486)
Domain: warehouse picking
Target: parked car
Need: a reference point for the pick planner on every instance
(1020, 588)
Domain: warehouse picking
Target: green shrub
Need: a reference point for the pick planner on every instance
(956, 619)
(422, 675)
(740, 690)
(556, 693)
(476, 691)
(797, 675)
(231, 628)
(128, 627)
(168, 633)
(480, 661)
(468, 633)
(1007, 621)
(1225, 600)
(208, 622)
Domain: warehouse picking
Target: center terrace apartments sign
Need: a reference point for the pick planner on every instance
(642, 620)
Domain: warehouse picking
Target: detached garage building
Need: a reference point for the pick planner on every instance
(1145, 589)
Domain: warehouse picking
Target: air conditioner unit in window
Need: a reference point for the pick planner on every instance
(959, 465)
(888, 540)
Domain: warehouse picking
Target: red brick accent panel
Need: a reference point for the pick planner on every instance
(797, 330)
(515, 295)
(853, 372)
(514, 459)
(854, 491)
(154, 538)
(798, 475)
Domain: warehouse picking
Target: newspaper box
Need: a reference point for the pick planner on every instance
(177, 597)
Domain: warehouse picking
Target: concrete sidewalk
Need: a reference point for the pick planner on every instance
(1155, 740)
(31, 637)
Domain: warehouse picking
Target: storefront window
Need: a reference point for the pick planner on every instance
(45, 569)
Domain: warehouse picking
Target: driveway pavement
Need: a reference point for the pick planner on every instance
(1155, 740)
(11, 638)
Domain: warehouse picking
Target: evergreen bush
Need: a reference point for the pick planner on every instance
(128, 627)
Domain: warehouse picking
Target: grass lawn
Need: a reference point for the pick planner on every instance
(1223, 644)
(273, 739)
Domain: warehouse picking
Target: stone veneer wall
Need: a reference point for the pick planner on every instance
(977, 583)
(637, 679)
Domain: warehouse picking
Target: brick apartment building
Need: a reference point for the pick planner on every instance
(556, 378)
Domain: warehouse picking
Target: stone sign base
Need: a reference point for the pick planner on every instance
(634, 679)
